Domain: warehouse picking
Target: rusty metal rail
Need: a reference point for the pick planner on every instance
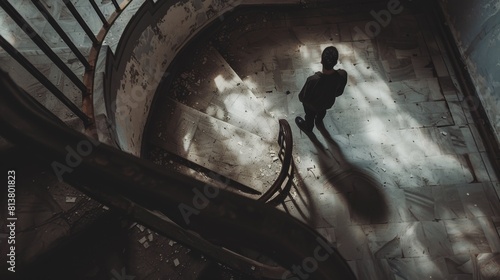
(281, 187)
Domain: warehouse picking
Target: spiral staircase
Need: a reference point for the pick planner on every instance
(168, 124)
(231, 130)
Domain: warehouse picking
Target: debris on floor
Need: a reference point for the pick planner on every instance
(141, 228)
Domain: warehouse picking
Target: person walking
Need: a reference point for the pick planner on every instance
(320, 90)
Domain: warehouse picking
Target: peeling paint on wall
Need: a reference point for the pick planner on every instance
(476, 28)
(159, 43)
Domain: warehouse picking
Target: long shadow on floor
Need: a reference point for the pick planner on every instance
(360, 190)
(308, 213)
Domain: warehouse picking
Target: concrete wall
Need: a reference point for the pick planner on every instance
(475, 26)
(147, 46)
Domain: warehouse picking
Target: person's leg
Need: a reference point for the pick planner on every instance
(319, 120)
(310, 116)
(308, 124)
(320, 116)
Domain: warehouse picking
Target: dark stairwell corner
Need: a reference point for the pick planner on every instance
(402, 180)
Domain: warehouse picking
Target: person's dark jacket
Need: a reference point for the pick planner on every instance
(320, 90)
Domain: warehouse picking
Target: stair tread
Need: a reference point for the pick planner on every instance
(211, 86)
(216, 145)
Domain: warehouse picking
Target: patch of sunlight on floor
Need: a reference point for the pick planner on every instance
(344, 48)
(236, 104)
(414, 243)
(376, 125)
(404, 148)
(215, 111)
(249, 82)
(244, 109)
(223, 84)
(186, 140)
(304, 50)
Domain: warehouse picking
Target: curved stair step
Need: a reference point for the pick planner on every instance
(209, 85)
(215, 145)
(161, 156)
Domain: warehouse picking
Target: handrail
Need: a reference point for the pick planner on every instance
(84, 84)
(104, 173)
(285, 177)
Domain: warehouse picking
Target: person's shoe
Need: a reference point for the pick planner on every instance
(301, 123)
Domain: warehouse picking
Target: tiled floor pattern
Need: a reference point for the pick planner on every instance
(398, 180)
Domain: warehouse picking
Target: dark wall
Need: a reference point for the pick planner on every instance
(476, 27)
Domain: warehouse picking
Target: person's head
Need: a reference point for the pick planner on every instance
(329, 57)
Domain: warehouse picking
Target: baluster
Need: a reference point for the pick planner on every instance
(81, 21)
(43, 80)
(117, 7)
(99, 13)
(61, 33)
(26, 27)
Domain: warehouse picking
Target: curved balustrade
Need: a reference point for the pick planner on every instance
(281, 187)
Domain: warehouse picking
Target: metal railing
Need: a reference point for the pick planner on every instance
(84, 84)
(277, 193)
